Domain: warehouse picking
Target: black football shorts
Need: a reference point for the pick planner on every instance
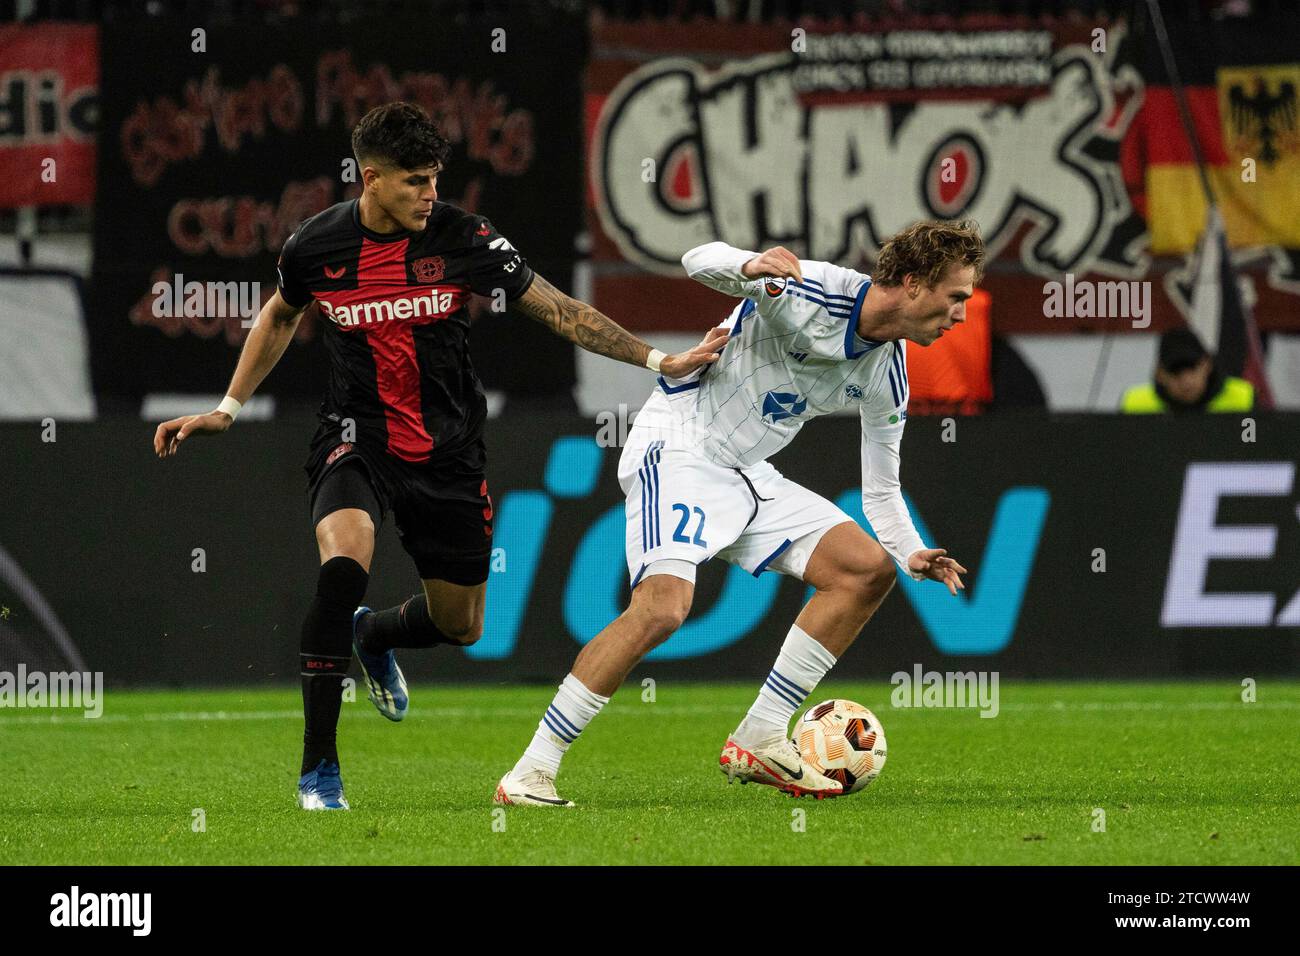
(441, 507)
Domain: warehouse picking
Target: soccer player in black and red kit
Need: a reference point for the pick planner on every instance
(401, 427)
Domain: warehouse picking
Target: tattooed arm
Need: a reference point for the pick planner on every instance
(586, 326)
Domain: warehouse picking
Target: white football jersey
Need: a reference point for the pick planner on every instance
(794, 354)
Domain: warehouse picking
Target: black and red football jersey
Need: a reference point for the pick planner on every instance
(396, 320)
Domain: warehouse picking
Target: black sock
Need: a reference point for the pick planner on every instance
(325, 655)
(406, 625)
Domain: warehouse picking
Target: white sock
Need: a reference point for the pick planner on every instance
(572, 709)
(799, 668)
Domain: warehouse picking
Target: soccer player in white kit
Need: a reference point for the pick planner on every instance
(807, 338)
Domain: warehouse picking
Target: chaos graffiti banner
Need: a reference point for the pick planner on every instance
(829, 143)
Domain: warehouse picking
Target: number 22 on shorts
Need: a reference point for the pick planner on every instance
(698, 539)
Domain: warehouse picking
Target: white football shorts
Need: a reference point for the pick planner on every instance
(683, 509)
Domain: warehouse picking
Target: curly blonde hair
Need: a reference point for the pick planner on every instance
(925, 249)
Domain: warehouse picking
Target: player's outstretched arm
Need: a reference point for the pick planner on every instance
(266, 342)
(594, 331)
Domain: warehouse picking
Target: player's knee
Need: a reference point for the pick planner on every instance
(660, 607)
(462, 625)
(875, 578)
(660, 624)
(349, 533)
(467, 635)
(866, 579)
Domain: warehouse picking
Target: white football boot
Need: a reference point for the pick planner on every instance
(533, 788)
(774, 761)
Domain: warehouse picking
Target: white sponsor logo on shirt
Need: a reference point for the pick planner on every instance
(433, 304)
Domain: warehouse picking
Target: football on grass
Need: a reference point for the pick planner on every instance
(844, 741)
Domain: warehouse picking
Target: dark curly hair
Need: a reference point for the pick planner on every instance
(925, 249)
(402, 135)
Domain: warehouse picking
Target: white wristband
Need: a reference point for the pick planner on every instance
(230, 407)
(654, 359)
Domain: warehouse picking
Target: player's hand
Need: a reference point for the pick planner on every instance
(777, 261)
(933, 564)
(167, 439)
(684, 363)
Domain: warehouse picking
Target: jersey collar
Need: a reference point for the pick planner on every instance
(851, 337)
(377, 236)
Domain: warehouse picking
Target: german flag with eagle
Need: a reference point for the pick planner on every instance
(1243, 91)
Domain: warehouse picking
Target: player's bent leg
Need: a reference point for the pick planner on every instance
(345, 539)
(851, 574)
(454, 611)
(446, 613)
(659, 605)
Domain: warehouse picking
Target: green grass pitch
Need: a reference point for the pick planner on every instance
(1185, 773)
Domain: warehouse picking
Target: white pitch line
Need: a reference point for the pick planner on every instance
(74, 718)
(622, 710)
(1060, 705)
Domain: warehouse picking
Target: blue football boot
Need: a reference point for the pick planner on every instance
(384, 678)
(322, 788)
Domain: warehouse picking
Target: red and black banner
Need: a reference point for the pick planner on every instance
(49, 106)
(214, 154)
